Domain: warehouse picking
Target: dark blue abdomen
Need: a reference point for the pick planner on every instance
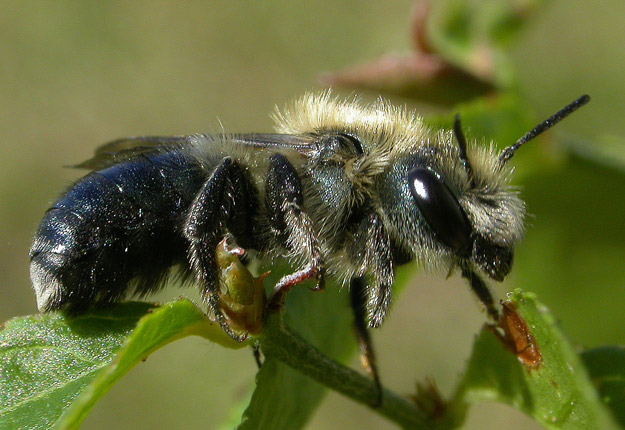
(115, 227)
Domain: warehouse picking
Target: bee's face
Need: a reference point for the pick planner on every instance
(446, 216)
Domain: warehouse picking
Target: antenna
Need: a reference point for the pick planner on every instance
(507, 153)
(462, 145)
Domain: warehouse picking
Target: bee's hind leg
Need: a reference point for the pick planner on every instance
(223, 201)
(294, 227)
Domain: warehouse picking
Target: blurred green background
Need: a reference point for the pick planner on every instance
(75, 74)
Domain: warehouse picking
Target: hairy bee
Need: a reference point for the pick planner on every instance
(341, 189)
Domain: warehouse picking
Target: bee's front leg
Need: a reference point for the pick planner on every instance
(292, 225)
(482, 292)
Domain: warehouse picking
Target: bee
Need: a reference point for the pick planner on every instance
(342, 189)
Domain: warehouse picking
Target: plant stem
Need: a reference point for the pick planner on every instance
(281, 343)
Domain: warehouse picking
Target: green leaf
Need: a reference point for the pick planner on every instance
(51, 361)
(46, 360)
(558, 393)
(606, 367)
(286, 398)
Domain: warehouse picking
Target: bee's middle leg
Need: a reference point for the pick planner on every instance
(358, 300)
(292, 225)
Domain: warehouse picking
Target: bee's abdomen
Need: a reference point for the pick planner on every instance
(114, 230)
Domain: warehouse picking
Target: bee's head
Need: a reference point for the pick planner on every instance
(474, 225)
(449, 216)
(451, 205)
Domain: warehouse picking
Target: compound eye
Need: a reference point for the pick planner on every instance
(441, 209)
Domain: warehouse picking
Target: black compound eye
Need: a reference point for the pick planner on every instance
(440, 209)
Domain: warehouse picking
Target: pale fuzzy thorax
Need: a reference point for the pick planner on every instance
(385, 130)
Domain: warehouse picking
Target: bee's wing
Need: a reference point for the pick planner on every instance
(122, 149)
(304, 144)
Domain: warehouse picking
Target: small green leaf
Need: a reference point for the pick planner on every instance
(558, 393)
(54, 368)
